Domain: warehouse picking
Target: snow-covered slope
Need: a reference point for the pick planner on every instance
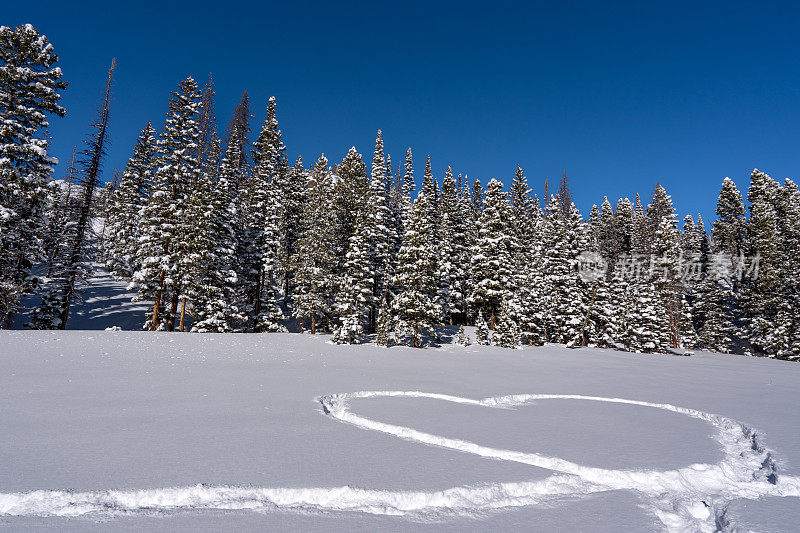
(186, 431)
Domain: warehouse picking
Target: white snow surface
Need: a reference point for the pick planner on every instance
(157, 431)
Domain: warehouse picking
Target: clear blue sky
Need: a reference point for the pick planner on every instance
(621, 95)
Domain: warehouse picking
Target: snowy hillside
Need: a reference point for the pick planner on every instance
(104, 303)
(156, 431)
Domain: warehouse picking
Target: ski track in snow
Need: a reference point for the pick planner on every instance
(693, 498)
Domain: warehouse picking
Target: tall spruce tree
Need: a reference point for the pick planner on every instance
(314, 260)
(416, 306)
(162, 220)
(762, 294)
(213, 261)
(260, 257)
(30, 85)
(130, 194)
(493, 255)
(454, 246)
(563, 297)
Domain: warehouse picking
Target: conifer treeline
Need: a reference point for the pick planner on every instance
(224, 234)
(241, 240)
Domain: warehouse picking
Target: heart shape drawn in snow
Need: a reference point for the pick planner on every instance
(690, 498)
(693, 498)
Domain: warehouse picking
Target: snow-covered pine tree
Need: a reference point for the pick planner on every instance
(523, 217)
(454, 228)
(462, 339)
(238, 135)
(355, 287)
(355, 298)
(762, 294)
(729, 227)
(208, 143)
(430, 188)
(482, 333)
(711, 308)
(526, 219)
(384, 325)
(294, 197)
(416, 306)
(729, 233)
(492, 262)
(261, 267)
(641, 234)
(666, 269)
(130, 194)
(408, 188)
(162, 220)
(349, 196)
(30, 90)
(789, 315)
(563, 296)
(380, 233)
(213, 263)
(314, 260)
(61, 195)
(507, 333)
(690, 246)
(476, 201)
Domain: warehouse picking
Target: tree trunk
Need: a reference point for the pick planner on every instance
(257, 301)
(416, 336)
(173, 310)
(96, 149)
(491, 325)
(183, 314)
(313, 323)
(157, 304)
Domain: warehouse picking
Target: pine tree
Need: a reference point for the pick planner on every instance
(492, 256)
(454, 246)
(482, 334)
(526, 218)
(163, 220)
(238, 136)
(30, 86)
(762, 295)
(789, 314)
(208, 144)
(384, 326)
(563, 297)
(314, 260)
(349, 196)
(416, 306)
(507, 334)
(476, 198)
(729, 228)
(462, 339)
(407, 191)
(381, 236)
(355, 292)
(213, 263)
(130, 194)
(667, 269)
(260, 259)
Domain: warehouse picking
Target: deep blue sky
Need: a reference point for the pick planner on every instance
(621, 96)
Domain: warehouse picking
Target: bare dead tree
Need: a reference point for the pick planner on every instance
(93, 153)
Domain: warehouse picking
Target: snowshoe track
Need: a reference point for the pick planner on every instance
(692, 498)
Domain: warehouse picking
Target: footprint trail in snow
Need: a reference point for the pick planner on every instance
(693, 498)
